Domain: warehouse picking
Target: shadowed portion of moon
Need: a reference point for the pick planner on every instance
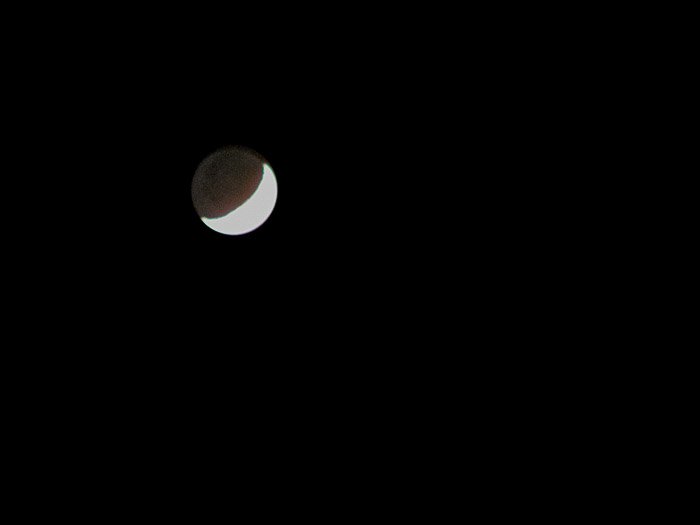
(225, 180)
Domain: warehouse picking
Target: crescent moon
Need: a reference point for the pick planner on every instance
(252, 213)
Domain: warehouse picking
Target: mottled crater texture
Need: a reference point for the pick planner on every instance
(225, 180)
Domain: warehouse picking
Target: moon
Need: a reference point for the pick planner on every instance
(253, 212)
(234, 191)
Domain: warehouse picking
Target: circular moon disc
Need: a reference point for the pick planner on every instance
(234, 190)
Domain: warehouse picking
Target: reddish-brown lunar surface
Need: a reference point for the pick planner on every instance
(225, 180)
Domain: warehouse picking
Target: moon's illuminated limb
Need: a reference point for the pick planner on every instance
(253, 212)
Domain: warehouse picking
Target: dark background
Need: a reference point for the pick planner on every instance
(419, 170)
(433, 180)
(434, 173)
(436, 297)
(110, 124)
(154, 330)
(425, 269)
